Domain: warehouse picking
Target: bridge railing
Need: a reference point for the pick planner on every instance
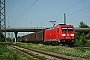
(28, 28)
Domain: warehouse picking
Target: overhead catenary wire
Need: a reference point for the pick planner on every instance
(80, 18)
(68, 9)
(83, 17)
(75, 12)
(79, 11)
(84, 3)
(65, 10)
(73, 5)
(79, 15)
(82, 13)
(19, 12)
(26, 11)
(20, 9)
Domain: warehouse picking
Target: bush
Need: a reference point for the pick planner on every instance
(80, 39)
(8, 39)
(87, 36)
(6, 54)
(2, 39)
(88, 43)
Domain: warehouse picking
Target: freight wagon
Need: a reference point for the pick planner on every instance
(37, 37)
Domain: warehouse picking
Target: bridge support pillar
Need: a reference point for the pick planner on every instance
(16, 36)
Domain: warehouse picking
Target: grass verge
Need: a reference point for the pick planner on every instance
(6, 54)
(76, 52)
(12, 54)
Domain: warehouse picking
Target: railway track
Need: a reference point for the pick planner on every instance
(49, 56)
(76, 46)
(26, 52)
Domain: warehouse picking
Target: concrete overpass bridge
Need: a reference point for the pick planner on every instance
(35, 29)
(16, 30)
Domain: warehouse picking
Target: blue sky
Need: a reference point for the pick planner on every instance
(44, 11)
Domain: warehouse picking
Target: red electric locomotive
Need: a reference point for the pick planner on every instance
(62, 33)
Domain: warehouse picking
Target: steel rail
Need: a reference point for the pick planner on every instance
(29, 53)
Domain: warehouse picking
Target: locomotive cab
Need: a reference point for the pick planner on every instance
(68, 35)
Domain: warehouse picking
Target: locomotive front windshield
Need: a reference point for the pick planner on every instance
(67, 29)
(70, 29)
(64, 30)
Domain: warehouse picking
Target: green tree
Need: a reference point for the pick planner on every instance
(80, 36)
(2, 38)
(8, 39)
(82, 39)
(83, 25)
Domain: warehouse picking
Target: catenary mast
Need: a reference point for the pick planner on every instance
(3, 20)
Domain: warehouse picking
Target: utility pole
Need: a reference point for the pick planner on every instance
(8, 32)
(53, 22)
(41, 24)
(3, 19)
(12, 37)
(64, 18)
(31, 24)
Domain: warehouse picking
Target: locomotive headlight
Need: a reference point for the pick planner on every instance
(63, 34)
(72, 34)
